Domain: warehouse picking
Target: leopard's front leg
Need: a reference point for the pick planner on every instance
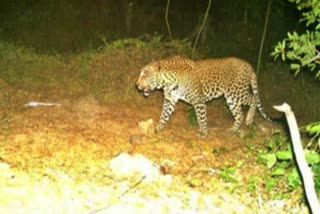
(167, 110)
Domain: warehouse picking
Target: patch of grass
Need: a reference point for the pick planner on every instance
(23, 65)
(5, 98)
(5, 121)
(253, 184)
(251, 134)
(191, 116)
(109, 72)
(190, 143)
(220, 150)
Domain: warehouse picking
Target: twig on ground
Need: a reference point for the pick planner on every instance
(120, 196)
(260, 202)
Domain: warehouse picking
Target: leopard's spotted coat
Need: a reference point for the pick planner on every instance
(197, 82)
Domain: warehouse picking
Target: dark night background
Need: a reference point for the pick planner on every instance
(234, 27)
(69, 106)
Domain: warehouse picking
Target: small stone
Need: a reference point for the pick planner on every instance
(146, 127)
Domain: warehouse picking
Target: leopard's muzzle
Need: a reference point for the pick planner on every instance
(145, 90)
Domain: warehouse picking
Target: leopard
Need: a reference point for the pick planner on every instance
(197, 82)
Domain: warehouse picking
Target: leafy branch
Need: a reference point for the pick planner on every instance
(302, 51)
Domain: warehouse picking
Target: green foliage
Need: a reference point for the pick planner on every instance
(313, 128)
(227, 174)
(270, 184)
(316, 173)
(252, 132)
(279, 158)
(294, 178)
(253, 183)
(301, 50)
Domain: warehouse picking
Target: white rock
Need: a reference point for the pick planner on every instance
(134, 166)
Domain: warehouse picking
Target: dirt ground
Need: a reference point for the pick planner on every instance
(58, 159)
(51, 155)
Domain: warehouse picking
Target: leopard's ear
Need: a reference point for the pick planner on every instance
(157, 66)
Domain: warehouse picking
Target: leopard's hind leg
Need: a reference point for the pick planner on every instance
(252, 110)
(201, 113)
(236, 110)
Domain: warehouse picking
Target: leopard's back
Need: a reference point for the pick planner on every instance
(229, 76)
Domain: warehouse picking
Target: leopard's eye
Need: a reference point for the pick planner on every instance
(145, 73)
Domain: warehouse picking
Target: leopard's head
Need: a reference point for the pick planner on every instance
(148, 79)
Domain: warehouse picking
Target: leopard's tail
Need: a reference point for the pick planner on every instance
(254, 86)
